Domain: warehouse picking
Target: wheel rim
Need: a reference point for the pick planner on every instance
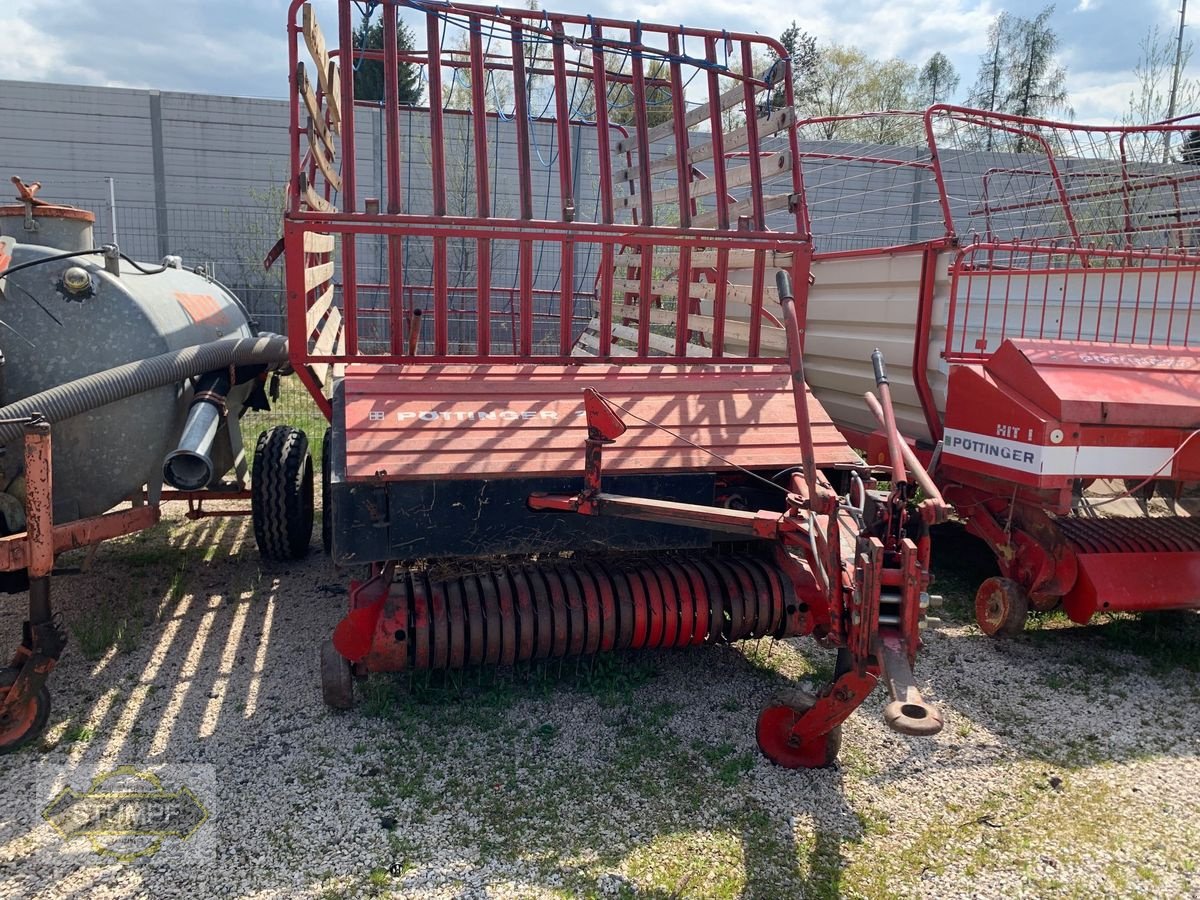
(16, 724)
(774, 733)
(1000, 607)
(995, 610)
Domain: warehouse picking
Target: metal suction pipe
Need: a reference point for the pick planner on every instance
(189, 467)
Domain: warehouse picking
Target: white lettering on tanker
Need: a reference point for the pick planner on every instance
(1100, 462)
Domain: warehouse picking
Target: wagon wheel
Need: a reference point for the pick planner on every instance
(326, 499)
(337, 682)
(20, 726)
(281, 493)
(1001, 607)
(774, 733)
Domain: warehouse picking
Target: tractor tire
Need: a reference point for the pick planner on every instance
(1001, 607)
(281, 493)
(326, 499)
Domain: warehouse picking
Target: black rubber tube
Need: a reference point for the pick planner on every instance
(102, 388)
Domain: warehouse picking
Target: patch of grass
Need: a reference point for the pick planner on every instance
(690, 864)
(77, 734)
(294, 407)
(119, 625)
(1167, 640)
(378, 694)
(728, 767)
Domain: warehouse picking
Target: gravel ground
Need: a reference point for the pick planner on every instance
(1068, 765)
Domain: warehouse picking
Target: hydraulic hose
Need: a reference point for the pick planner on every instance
(102, 388)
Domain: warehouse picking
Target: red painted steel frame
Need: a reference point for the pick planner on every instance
(1150, 289)
(513, 30)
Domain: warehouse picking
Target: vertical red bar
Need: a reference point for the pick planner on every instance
(604, 164)
(641, 128)
(646, 209)
(1171, 316)
(349, 187)
(939, 177)
(758, 297)
(391, 118)
(679, 124)
(720, 302)
(683, 173)
(1126, 194)
(717, 126)
(1187, 328)
(803, 227)
(437, 175)
(566, 189)
(297, 298)
(483, 193)
(1008, 286)
(1045, 303)
(1120, 296)
(1025, 306)
(1137, 303)
(525, 264)
(521, 114)
(294, 116)
(603, 148)
(760, 217)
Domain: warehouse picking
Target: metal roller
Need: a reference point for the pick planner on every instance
(570, 609)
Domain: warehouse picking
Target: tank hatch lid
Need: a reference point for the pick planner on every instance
(28, 204)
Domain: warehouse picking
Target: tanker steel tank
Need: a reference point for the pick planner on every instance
(143, 371)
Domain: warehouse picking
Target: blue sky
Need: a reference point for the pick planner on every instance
(227, 47)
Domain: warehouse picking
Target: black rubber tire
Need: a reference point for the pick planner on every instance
(326, 499)
(337, 681)
(281, 493)
(33, 721)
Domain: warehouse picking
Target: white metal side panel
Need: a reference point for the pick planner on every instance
(857, 305)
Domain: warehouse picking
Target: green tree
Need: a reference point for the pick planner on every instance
(368, 77)
(991, 82)
(937, 81)
(1037, 81)
(888, 86)
(1018, 74)
(802, 49)
(1150, 101)
(658, 96)
(840, 87)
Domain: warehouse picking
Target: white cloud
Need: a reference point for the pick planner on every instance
(1085, 5)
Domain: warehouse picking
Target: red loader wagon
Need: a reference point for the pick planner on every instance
(1042, 279)
(535, 320)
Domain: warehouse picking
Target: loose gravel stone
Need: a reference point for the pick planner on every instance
(1067, 766)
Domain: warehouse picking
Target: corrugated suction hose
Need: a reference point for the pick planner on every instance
(102, 388)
